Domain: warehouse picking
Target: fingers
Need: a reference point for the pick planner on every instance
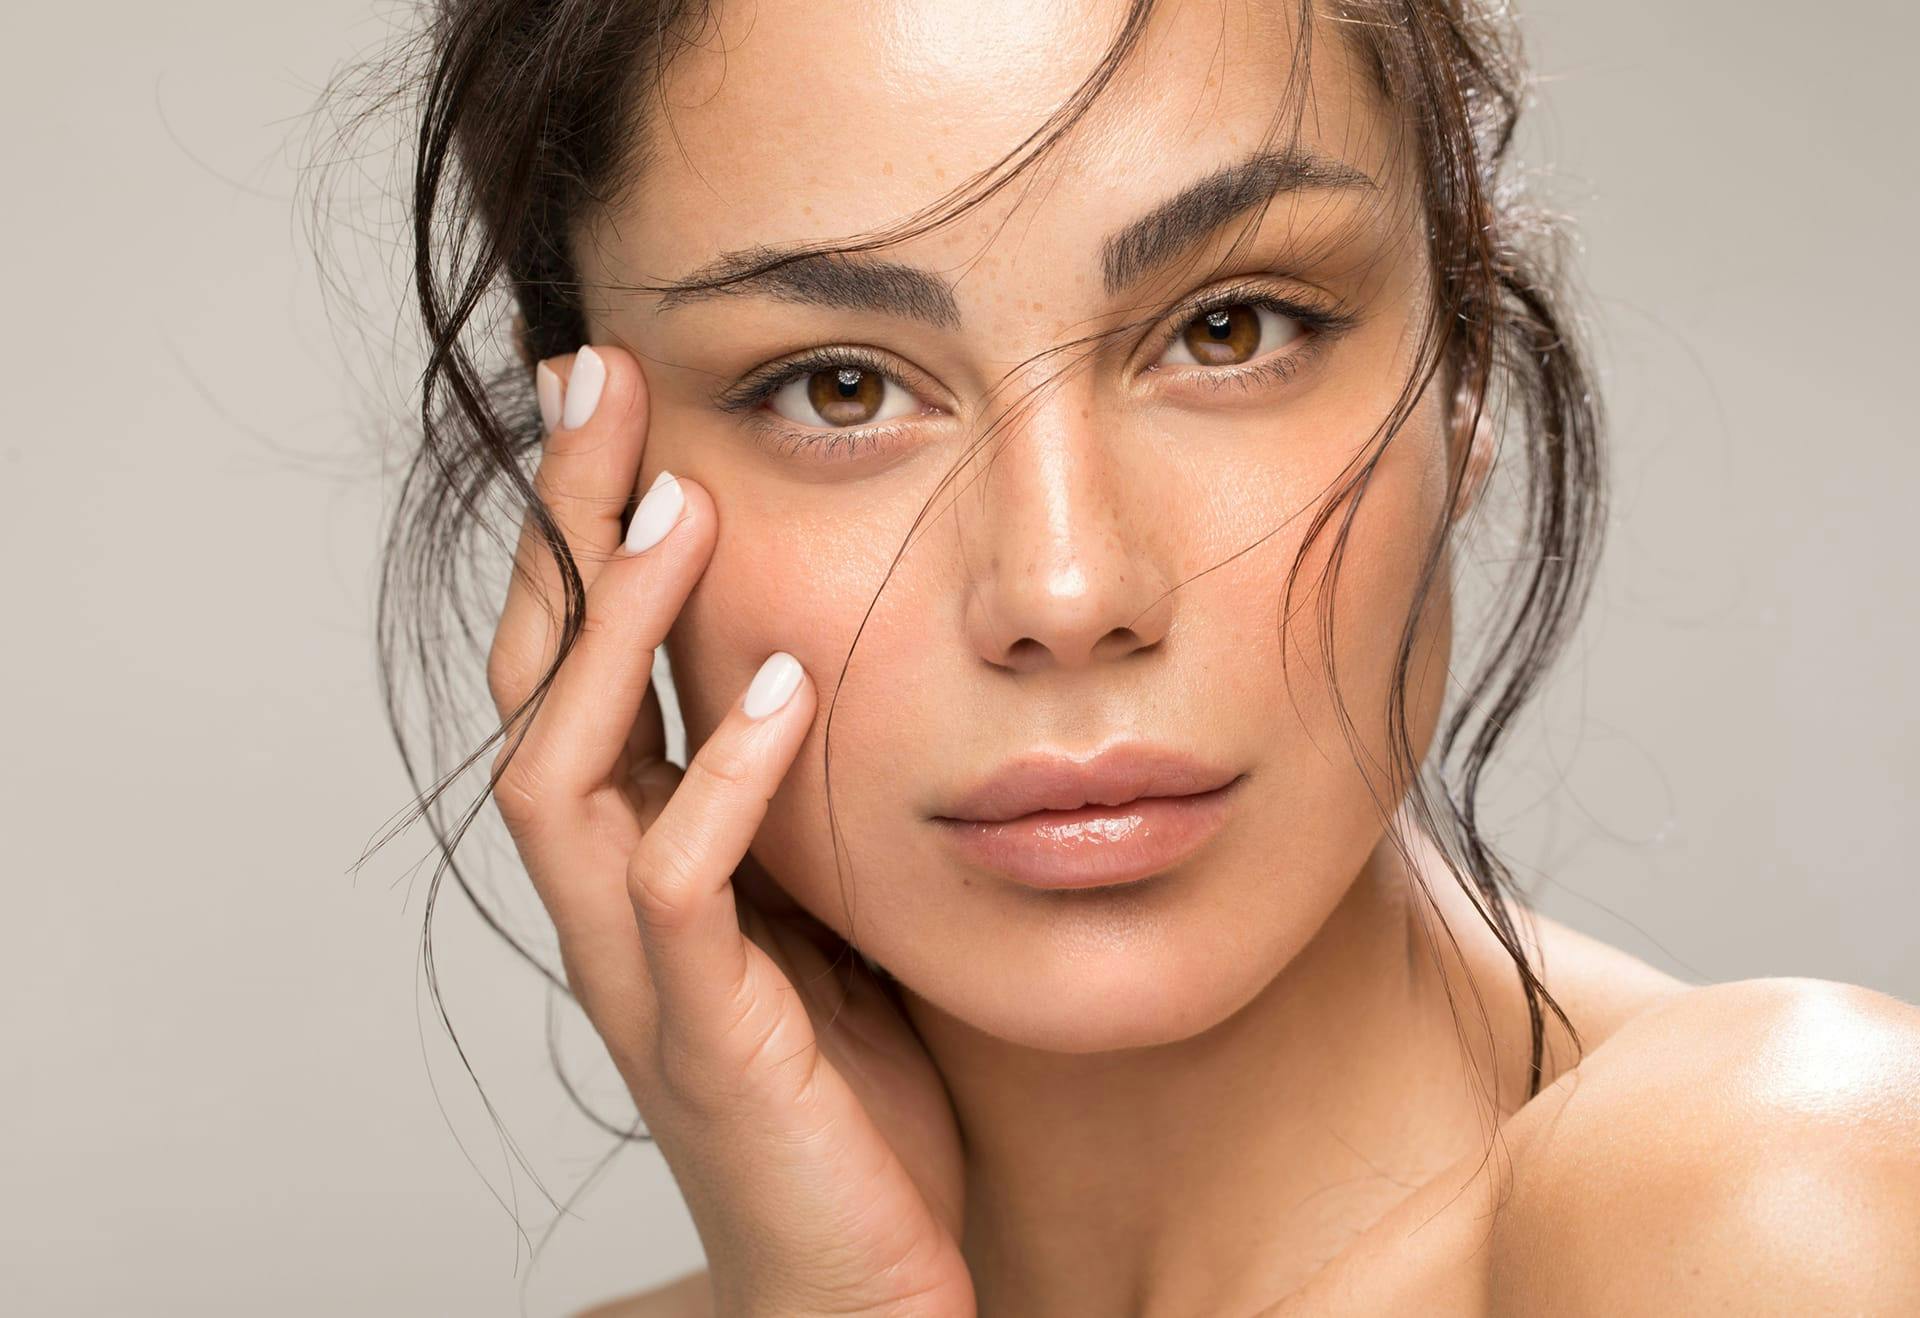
(596, 404)
(680, 876)
(601, 705)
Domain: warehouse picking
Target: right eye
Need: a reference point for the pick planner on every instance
(837, 396)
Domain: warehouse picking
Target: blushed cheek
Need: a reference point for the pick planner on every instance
(806, 587)
(759, 593)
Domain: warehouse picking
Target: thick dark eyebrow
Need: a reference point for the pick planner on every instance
(828, 279)
(1199, 209)
(864, 283)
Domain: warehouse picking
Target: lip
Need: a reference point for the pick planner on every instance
(1051, 821)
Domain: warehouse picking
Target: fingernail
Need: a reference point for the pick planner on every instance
(773, 685)
(657, 513)
(583, 388)
(546, 383)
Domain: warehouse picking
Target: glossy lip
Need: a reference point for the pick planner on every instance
(1125, 814)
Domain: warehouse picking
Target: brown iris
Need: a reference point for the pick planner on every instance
(1225, 336)
(845, 395)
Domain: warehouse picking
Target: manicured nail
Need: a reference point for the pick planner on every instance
(657, 513)
(583, 388)
(546, 383)
(773, 685)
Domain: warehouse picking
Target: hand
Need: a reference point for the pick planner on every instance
(823, 1170)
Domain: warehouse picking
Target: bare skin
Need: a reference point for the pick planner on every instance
(1257, 1083)
(1698, 1219)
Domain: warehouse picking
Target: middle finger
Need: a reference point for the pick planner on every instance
(588, 471)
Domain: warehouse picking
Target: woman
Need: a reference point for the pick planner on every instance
(1053, 431)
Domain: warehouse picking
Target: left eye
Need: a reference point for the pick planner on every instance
(840, 396)
(1232, 335)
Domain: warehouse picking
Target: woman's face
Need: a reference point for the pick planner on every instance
(1109, 566)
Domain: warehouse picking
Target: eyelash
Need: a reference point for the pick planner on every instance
(1321, 325)
(758, 386)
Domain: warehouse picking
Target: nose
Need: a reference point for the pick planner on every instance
(1062, 538)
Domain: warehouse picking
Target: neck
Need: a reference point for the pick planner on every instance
(1220, 1172)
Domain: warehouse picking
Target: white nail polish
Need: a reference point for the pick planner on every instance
(773, 685)
(546, 383)
(583, 388)
(657, 513)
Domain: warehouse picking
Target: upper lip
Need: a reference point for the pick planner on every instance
(1114, 776)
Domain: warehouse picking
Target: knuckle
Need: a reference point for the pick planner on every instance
(518, 805)
(749, 1053)
(506, 677)
(661, 879)
(686, 1077)
(517, 663)
(726, 764)
(547, 492)
(618, 606)
(601, 619)
(775, 1044)
(521, 789)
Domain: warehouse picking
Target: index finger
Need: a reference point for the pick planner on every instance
(680, 877)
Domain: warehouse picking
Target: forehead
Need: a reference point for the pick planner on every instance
(793, 121)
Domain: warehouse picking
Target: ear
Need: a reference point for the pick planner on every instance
(1472, 428)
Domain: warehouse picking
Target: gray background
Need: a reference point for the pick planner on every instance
(218, 1057)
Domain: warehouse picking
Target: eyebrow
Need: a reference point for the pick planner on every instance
(864, 283)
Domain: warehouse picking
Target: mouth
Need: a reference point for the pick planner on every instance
(1122, 816)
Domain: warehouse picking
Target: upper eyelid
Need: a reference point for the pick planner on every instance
(1253, 294)
(1319, 321)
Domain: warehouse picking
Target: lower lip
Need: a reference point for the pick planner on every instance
(1095, 845)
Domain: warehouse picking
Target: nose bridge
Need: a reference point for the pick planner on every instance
(1062, 560)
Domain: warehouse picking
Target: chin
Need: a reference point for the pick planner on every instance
(1096, 970)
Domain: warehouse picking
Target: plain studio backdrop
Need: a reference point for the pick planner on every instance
(225, 1090)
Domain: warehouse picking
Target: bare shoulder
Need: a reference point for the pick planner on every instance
(1746, 1147)
(683, 1297)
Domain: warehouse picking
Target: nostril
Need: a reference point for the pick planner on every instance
(1025, 653)
(1119, 641)
(1029, 653)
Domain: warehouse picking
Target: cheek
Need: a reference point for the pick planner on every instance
(1373, 581)
(1358, 572)
(774, 583)
(1270, 671)
(788, 577)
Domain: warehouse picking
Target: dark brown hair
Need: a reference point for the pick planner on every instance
(526, 118)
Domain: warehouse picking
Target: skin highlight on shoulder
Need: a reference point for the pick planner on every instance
(1750, 1146)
